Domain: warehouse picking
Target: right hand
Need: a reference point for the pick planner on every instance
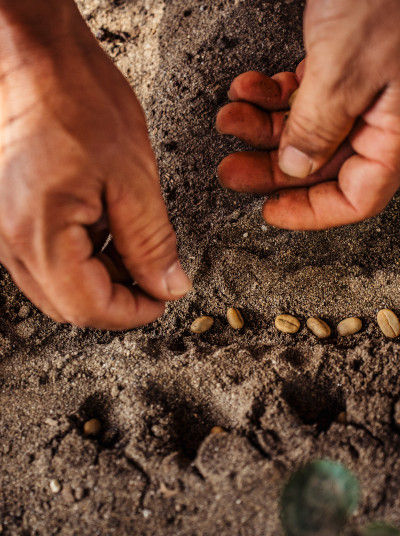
(75, 152)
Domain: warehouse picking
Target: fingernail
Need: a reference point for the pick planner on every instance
(295, 163)
(176, 281)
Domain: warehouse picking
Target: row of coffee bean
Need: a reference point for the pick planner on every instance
(387, 321)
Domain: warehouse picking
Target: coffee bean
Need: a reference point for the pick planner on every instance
(287, 323)
(349, 326)
(234, 317)
(202, 324)
(292, 98)
(319, 327)
(389, 323)
(92, 427)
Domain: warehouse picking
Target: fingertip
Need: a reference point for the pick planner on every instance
(289, 209)
(288, 84)
(176, 281)
(226, 117)
(225, 170)
(235, 173)
(255, 87)
(300, 70)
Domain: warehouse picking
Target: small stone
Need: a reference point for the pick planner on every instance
(50, 422)
(245, 235)
(55, 486)
(79, 493)
(92, 427)
(319, 328)
(389, 323)
(202, 324)
(235, 318)
(114, 391)
(146, 513)
(349, 326)
(217, 430)
(287, 323)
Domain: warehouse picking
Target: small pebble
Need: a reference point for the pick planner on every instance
(114, 391)
(287, 323)
(79, 493)
(245, 235)
(389, 323)
(349, 326)
(55, 486)
(92, 427)
(202, 324)
(318, 327)
(217, 430)
(235, 318)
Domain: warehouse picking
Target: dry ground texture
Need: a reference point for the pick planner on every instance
(155, 469)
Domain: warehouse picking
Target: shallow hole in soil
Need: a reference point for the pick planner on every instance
(97, 406)
(188, 423)
(314, 402)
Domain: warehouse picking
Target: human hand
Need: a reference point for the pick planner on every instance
(75, 152)
(349, 98)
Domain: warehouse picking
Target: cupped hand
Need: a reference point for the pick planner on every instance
(74, 153)
(339, 151)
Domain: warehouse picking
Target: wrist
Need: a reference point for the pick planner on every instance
(35, 31)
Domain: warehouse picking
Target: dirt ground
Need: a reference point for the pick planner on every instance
(155, 469)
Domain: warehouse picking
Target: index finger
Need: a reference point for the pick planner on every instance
(82, 288)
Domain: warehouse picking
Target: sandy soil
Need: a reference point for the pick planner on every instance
(158, 391)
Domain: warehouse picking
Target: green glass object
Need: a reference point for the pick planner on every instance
(319, 499)
(380, 529)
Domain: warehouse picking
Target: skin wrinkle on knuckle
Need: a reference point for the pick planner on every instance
(317, 136)
(160, 247)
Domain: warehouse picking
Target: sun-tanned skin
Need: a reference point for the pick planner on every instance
(75, 151)
(76, 161)
(344, 125)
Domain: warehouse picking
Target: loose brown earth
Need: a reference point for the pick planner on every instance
(156, 470)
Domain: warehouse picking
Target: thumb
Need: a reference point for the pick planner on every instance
(322, 115)
(145, 239)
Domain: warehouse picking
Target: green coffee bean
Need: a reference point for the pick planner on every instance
(287, 323)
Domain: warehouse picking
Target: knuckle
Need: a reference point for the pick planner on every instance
(80, 317)
(160, 243)
(316, 133)
(77, 319)
(229, 114)
(16, 231)
(153, 245)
